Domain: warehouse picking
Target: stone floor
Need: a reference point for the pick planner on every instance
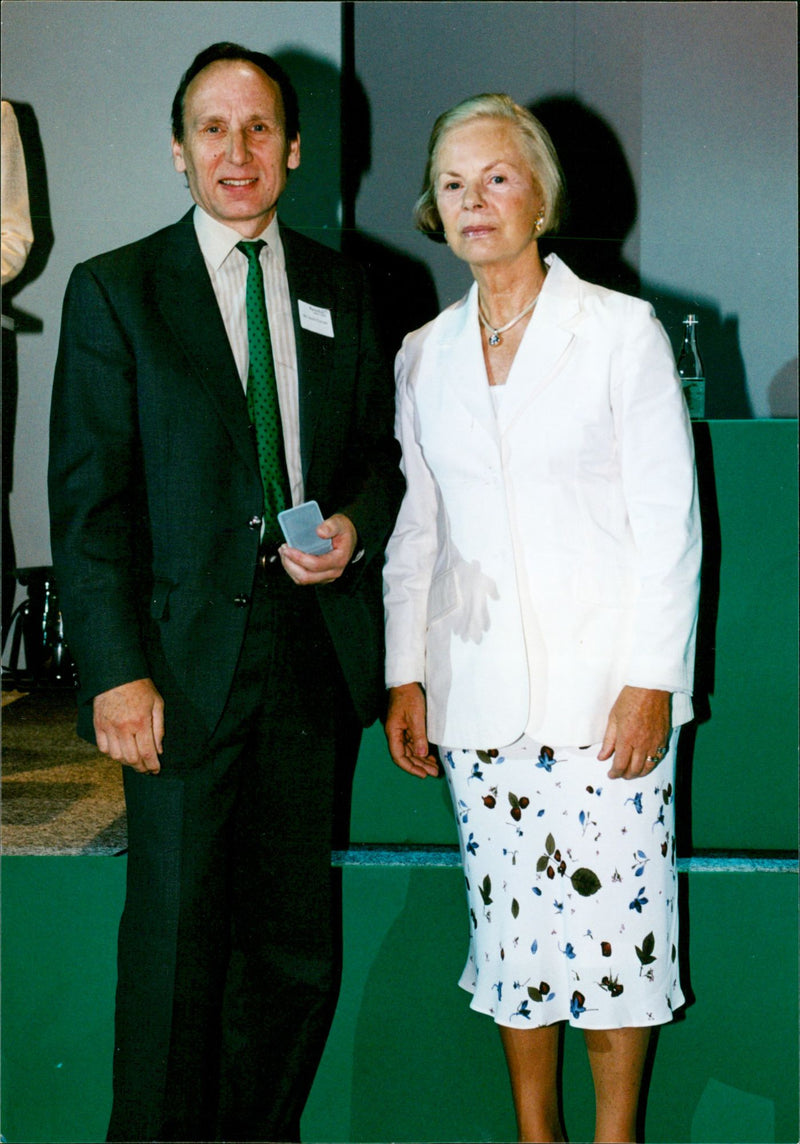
(59, 794)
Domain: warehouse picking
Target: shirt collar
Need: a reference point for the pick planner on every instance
(217, 240)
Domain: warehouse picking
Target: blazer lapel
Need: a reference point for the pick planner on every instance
(542, 354)
(460, 367)
(185, 297)
(544, 349)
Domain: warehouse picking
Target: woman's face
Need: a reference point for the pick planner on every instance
(487, 197)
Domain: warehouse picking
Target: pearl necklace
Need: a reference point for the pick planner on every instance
(495, 331)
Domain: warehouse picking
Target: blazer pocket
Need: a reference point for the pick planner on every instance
(443, 596)
(159, 600)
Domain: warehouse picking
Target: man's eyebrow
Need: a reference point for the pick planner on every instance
(220, 117)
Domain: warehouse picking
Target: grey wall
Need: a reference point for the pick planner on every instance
(98, 80)
(688, 108)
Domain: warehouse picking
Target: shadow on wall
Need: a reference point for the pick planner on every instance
(402, 287)
(600, 207)
(310, 202)
(425, 1066)
(601, 210)
(705, 657)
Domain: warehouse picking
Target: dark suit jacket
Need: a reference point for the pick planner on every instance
(154, 483)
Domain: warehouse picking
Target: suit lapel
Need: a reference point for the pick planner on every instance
(185, 297)
(308, 282)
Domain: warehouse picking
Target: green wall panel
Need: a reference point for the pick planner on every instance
(407, 1059)
(748, 660)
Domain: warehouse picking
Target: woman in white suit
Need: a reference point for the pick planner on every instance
(541, 592)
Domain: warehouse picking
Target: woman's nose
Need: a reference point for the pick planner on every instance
(473, 196)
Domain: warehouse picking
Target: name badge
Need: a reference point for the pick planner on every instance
(316, 319)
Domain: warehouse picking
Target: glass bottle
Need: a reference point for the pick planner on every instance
(690, 370)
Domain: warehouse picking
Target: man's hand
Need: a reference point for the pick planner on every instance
(129, 725)
(405, 731)
(307, 569)
(637, 734)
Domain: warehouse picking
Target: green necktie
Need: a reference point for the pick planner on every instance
(262, 395)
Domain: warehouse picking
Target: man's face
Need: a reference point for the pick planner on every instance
(234, 151)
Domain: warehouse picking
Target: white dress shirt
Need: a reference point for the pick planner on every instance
(227, 268)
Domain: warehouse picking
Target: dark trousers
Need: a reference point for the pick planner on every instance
(230, 946)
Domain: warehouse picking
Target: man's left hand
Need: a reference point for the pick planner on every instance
(638, 731)
(307, 569)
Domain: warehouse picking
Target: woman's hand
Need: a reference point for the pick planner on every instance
(405, 731)
(637, 734)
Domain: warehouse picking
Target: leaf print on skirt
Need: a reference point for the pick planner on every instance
(562, 926)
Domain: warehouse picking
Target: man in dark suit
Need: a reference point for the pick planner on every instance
(230, 674)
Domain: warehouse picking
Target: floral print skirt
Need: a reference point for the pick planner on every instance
(571, 886)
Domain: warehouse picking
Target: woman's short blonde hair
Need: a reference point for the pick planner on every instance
(536, 144)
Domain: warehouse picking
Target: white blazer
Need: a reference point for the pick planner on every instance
(548, 555)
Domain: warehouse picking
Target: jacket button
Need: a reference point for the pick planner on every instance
(254, 522)
(241, 601)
